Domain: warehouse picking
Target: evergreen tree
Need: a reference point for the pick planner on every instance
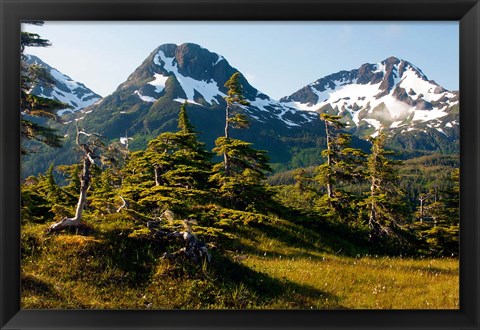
(54, 193)
(234, 98)
(39, 194)
(443, 208)
(327, 171)
(172, 172)
(35, 106)
(452, 199)
(438, 214)
(139, 169)
(305, 190)
(72, 172)
(240, 176)
(184, 122)
(244, 182)
(384, 202)
(342, 167)
(179, 158)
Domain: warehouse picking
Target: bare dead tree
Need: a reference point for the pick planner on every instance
(124, 205)
(88, 160)
(422, 199)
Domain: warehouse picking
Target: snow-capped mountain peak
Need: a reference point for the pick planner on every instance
(189, 72)
(389, 94)
(63, 88)
(208, 89)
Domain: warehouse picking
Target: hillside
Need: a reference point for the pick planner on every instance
(278, 264)
(232, 242)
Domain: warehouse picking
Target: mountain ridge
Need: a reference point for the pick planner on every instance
(147, 104)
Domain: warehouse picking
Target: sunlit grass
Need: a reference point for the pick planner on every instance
(278, 267)
(366, 282)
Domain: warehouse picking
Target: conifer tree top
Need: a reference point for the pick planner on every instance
(235, 91)
(183, 121)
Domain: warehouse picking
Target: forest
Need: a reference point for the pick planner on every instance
(178, 226)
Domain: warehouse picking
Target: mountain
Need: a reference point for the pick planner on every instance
(147, 103)
(393, 95)
(62, 88)
(191, 73)
(420, 116)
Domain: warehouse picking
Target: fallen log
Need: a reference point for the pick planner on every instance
(194, 249)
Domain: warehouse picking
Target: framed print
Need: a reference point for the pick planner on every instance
(239, 164)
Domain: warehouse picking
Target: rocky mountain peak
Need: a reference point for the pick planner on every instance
(191, 60)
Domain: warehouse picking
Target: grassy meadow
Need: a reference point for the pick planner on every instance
(276, 265)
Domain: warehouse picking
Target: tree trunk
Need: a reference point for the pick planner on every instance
(82, 199)
(124, 205)
(157, 176)
(422, 199)
(194, 249)
(373, 218)
(226, 160)
(329, 161)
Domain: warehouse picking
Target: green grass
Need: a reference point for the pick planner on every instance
(368, 283)
(275, 265)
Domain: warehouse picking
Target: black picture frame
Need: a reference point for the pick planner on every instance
(467, 12)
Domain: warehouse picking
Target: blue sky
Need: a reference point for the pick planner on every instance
(277, 58)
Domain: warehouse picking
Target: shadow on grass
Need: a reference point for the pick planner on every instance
(34, 286)
(134, 257)
(317, 237)
(431, 270)
(48, 296)
(268, 289)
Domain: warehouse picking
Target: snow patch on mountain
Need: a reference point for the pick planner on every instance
(159, 82)
(208, 89)
(427, 115)
(220, 58)
(144, 97)
(375, 123)
(279, 110)
(261, 104)
(180, 100)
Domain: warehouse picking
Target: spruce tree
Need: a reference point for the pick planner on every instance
(244, 183)
(171, 159)
(32, 105)
(443, 208)
(342, 167)
(184, 122)
(234, 98)
(384, 202)
(327, 171)
(179, 158)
